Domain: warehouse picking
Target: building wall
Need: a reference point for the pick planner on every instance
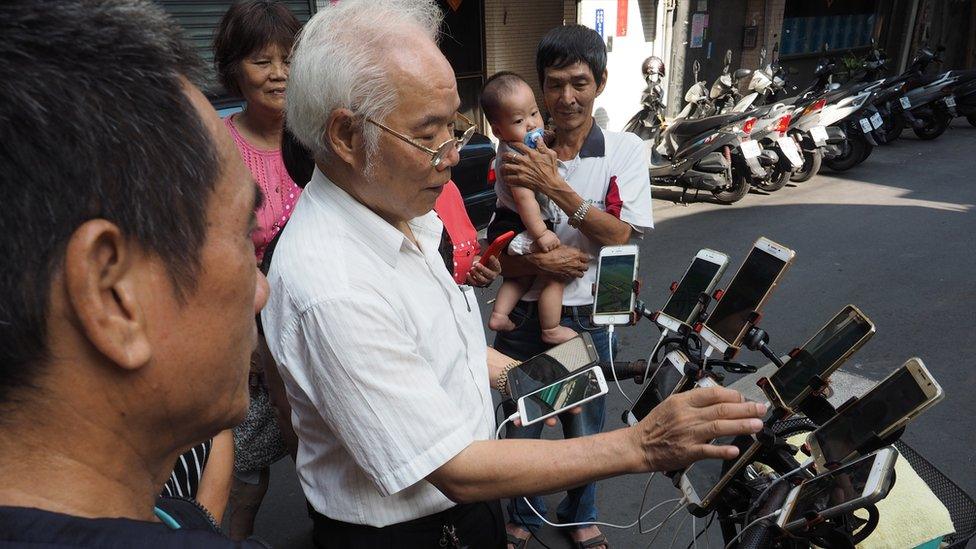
(513, 29)
(767, 15)
(643, 38)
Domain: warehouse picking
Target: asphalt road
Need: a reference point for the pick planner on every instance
(895, 236)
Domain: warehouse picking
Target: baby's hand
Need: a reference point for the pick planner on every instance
(547, 242)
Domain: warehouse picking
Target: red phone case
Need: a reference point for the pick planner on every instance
(497, 246)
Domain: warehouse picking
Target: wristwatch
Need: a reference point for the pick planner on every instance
(576, 220)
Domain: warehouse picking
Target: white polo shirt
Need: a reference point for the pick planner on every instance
(611, 169)
(382, 354)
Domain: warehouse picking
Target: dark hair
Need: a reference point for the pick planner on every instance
(563, 46)
(95, 124)
(247, 27)
(500, 84)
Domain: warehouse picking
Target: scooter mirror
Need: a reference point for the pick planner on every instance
(741, 74)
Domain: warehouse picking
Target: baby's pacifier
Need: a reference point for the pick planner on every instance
(531, 137)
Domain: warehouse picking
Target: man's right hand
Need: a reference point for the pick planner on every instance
(679, 430)
(564, 262)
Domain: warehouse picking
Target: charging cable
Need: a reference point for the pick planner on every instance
(650, 357)
(608, 525)
(775, 513)
(759, 499)
(612, 369)
(510, 418)
(680, 502)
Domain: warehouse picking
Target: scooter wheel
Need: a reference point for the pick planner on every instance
(893, 127)
(730, 195)
(972, 120)
(933, 126)
(854, 152)
(777, 181)
(811, 165)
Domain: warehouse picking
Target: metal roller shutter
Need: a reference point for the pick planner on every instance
(199, 19)
(513, 29)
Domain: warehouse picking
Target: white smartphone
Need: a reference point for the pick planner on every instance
(667, 379)
(890, 405)
(552, 365)
(853, 486)
(820, 356)
(581, 387)
(747, 293)
(616, 271)
(701, 277)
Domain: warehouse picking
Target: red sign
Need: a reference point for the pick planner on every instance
(621, 17)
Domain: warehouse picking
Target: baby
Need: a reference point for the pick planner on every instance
(509, 104)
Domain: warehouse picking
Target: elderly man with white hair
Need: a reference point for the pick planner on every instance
(383, 356)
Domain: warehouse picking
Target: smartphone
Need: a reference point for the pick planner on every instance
(820, 356)
(890, 405)
(853, 486)
(616, 272)
(552, 365)
(701, 277)
(496, 247)
(582, 386)
(667, 379)
(748, 292)
(703, 481)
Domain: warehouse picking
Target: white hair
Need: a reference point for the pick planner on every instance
(338, 62)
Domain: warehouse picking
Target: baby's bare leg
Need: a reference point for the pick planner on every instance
(509, 294)
(551, 312)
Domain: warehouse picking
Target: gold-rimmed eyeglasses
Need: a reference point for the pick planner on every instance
(437, 155)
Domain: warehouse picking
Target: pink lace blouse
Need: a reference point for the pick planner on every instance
(280, 192)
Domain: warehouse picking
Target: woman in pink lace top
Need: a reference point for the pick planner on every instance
(251, 54)
(280, 192)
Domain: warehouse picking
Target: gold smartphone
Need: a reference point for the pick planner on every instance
(890, 405)
(752, 285)
(820, 356)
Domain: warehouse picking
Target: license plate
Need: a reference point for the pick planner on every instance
(876, 120)
(819, 135)
(905, 103)
(788, 146)
(950, 101)
(750, 149)
(865, 125)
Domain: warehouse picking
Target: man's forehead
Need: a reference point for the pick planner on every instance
(234, 176)
(425, 83)
(578, 69)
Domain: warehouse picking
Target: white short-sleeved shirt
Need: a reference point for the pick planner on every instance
(611, 169)
(382, 354)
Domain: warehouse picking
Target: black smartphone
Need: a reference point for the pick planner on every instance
(551, 366)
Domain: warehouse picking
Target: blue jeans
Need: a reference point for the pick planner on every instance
(524, 342)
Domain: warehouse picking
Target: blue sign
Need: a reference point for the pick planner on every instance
(599, 22)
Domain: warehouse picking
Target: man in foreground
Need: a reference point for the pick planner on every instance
(128, 287)
(383, 356)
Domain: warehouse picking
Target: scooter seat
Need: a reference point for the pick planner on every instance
(684, 129)
(964, 75)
